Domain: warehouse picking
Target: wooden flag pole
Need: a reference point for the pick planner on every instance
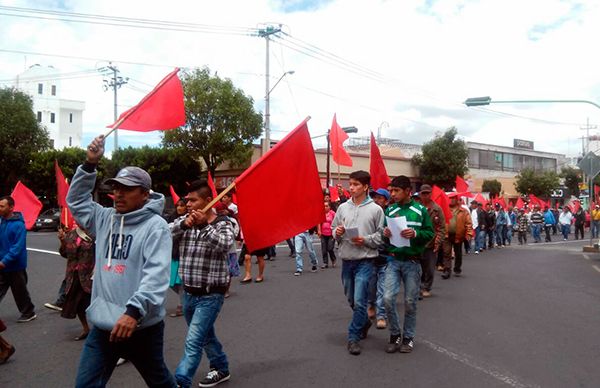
(218, 197)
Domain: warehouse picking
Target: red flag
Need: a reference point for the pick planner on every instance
(163, 108)
(174, 194)
(336, 138)
(379, 175)
(62, 188)
(461, 185)
(480, 199)
(535, 200)
(234, 198)
(292, 162)
(502, 203)
(27, 203)
(211, 184)
(439, 196)
(334, 195)
(520, 204)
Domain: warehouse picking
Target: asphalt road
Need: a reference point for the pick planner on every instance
(518, 317)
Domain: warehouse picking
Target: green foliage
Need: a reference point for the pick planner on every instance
(166, 166)
(442, 159)
(221, 121)
(572, 178)
(494, 187)
(21, 137)
(538, 183)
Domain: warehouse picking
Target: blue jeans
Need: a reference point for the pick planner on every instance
(376, 288)
(509, 234)
(200, 313)
(500, 235)
(536, 230)
(565, 229)
(302, 240)
(144, 349)
(409, 273)
(355, 279)
(595, 228)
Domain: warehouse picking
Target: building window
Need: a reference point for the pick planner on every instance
(40, 88)
(70, 141)
(53, 90)
(70, 117)
(52, 117)
(39, 116)
(507, 162)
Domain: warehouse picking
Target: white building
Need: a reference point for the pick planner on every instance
(63, 118)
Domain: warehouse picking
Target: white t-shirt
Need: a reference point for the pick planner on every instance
(233, 207)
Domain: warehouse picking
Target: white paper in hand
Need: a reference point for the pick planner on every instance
(351, 232)
(397, 225)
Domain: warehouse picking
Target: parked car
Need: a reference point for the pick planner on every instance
(49, 219)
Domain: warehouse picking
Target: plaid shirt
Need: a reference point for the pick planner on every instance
(203, 252)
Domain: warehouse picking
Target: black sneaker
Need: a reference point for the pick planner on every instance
(353, 348)
(213, 378)
(365, 329)
(313, 269)
(407, 345)
(446, 275)
(27, 318)
(394, 345)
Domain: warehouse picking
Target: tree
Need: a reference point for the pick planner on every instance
(166, 166)
(572, 178)
(442, 159)
(538, 183)
(20, 136)
(494, 187)
(221, 121)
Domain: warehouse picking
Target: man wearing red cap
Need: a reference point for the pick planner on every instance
(460, 228)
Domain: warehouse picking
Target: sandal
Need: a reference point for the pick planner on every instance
(259, 280)
(82, 336)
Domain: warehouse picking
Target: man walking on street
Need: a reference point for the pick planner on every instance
(537, 220)
(204, 269)
(432, 247)
(548, 222)
(404, 265)
(459, 229)
(490, 225)
(595, 216)
(358, 224)
(13, 259)
(133, 254)
(302, 240)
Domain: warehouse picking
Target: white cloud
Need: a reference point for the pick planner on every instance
(433, 55)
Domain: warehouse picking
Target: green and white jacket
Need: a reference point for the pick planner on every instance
(417, 218)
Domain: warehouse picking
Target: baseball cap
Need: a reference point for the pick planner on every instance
(383, 192)
(132, 176)
(425, 189)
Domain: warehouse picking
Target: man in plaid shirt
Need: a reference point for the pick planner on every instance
(204, 245)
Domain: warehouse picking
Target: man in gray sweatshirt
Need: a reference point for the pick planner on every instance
(358, 226)
(131, 276)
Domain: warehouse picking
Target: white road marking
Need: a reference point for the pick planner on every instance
(490, 371)
(556, 242)
(596, 267)
(585, 256)
(43, 251)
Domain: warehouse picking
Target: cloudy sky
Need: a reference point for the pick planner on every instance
(404, 67)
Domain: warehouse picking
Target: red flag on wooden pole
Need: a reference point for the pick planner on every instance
(461, 185)
(292, 164)
(379, 175)
(27, 203)
(174, 194)
(337, 136)
(439, 196)
(211, 184)
(62, 188)
(163, 108)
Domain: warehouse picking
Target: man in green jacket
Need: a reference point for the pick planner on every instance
(404, 265)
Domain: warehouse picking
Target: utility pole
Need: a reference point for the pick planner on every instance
(591, 190)
(115, 82)
(266, 33)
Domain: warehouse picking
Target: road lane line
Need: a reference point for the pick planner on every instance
(43, 251)
(490, 371)
(596, 267)
(541, 244)
(585, 256)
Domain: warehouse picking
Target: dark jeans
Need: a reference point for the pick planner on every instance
(547, 229)
(62, 296)
(490, 234)
(144, 349)
(327, 245)
(522, 237)
(17, 281)
(428, 268)
(578, 230)
(290, 243)
(449, 246)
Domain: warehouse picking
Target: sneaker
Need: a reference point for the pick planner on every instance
(353, 348)
(313, 269)
(381, 324)
(446, 275)
(297, 273)
(407, 345)
(27, 318)
(213, 378)
(365, 329)
(426, 294)
(324, 266)
(121, 361)
(52, 306)
(476, 252)
(457, 273)
(394, 344)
